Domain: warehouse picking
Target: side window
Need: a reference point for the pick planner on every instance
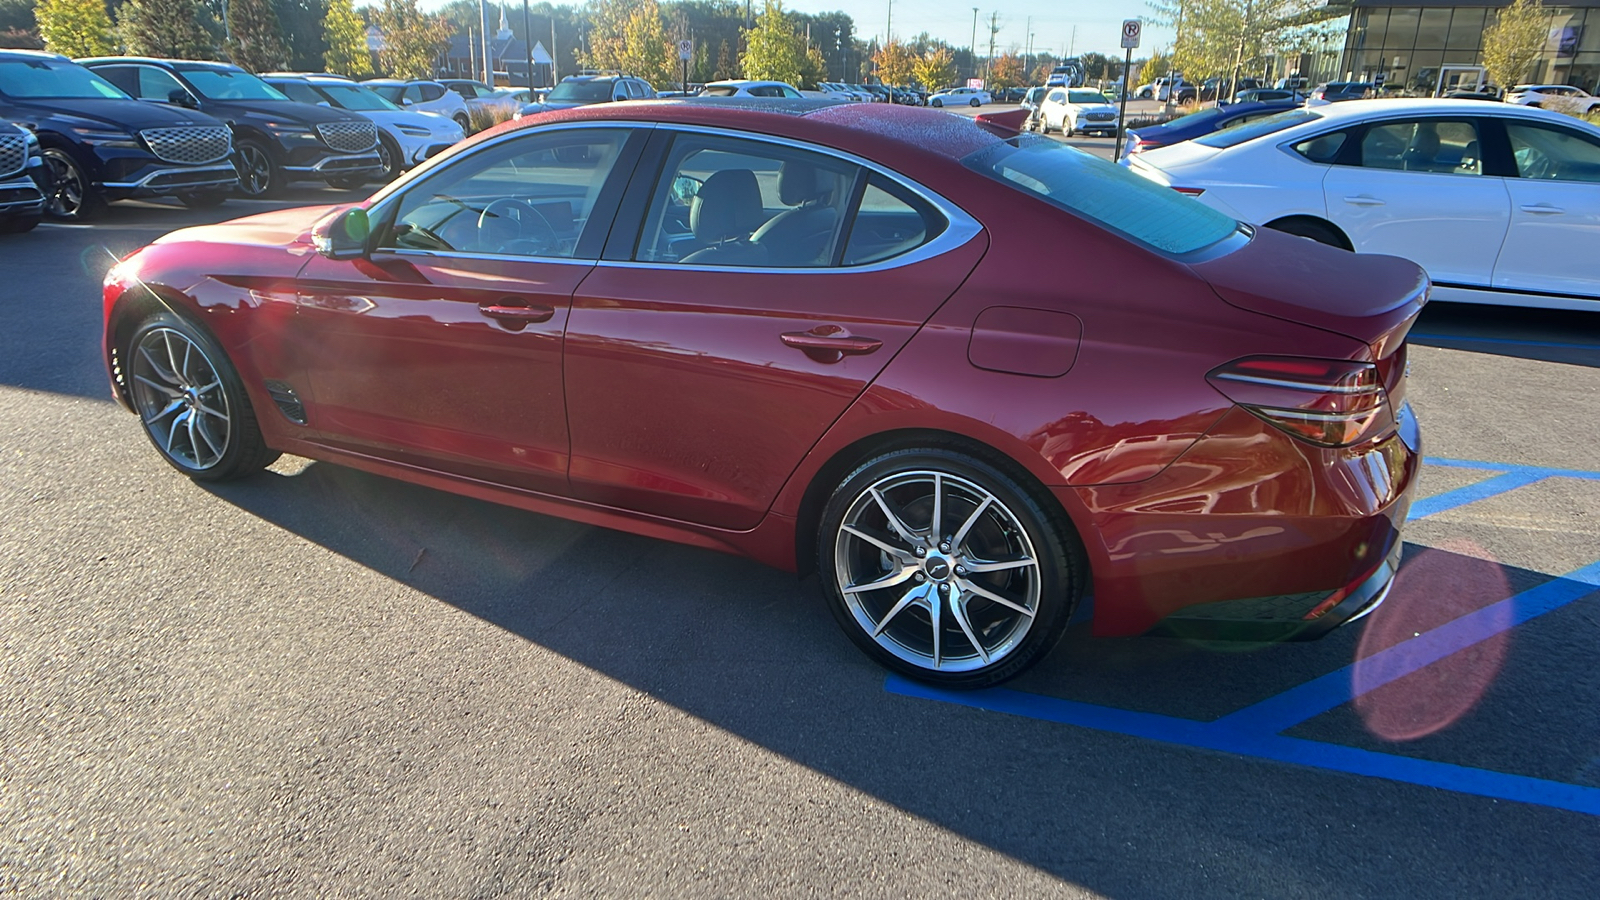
(413, 92)
(530, 196)
(732, 202)
(1429, 145)
(431, 92)
(123, 77)
(1324, 148)
(790, 93)
(1058, 96)
(635, 90)
(1555, 154)
(890, 221)
(157, 84)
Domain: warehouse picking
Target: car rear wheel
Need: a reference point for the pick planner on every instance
(259, 176)
(1066, 127)
(937, 103)
(191, 402)
(72, 195)
(974, 103)
(943, 568)
(390, 156)
(464, 122)
(1313, 230)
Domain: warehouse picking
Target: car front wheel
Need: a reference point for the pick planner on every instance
(945, 569)
(259, 176)
(191, 402)
(72, 194)
(937, 103)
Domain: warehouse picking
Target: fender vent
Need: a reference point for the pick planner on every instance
(288, 401)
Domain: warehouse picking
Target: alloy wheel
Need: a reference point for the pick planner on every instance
(69, 188)
(179, 397)
(255, 170)
(937, 571)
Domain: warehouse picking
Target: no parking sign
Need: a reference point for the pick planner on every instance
(1130, 33)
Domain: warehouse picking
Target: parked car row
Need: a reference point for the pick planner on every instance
(110, 128)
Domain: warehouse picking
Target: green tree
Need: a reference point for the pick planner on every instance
(346, 36)
(896, 62)
(725, 67)
(631, 37)
(256, 41)
(1226, 37)
(411, 40)
(936, 69)
(75, 27)
(301, 21)
(773, 49)
(170, 29)
(813, 69)
(1513, 42)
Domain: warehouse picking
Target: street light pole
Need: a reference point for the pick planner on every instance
(972, 48)
(527, 44)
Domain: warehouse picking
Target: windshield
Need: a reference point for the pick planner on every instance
(1086, 97)
(1155, 216)
(390, 92)
(1232, 137)
(593, 91)
(51, 80)
(354, 96)
(227, 84)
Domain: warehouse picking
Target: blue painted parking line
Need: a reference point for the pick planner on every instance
(1256, 730)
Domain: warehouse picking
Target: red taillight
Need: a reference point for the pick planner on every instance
(1189, 191)
(1327, 402)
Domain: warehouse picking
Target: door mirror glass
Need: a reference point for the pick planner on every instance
(343, 236)
(684, 187)
(180, 97)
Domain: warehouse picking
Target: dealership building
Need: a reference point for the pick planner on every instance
(1414, 45)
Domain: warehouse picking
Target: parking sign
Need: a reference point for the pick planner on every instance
(685, 50)
(1130, 33)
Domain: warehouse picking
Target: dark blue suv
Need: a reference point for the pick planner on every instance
(276, 140)
(22, 179)
(99, 144)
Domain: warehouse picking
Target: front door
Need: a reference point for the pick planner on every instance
(1554, 242)
(767, 286)
(1418, 191)
(442, 348)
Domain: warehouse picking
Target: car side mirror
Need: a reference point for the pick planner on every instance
(325, 103)
(180, 97)
(620, 97)
(343, 235)
(684, 189)
(407, 101)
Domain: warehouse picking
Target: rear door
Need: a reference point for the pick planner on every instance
(1416, 188)
(761, 288)
(1554, 243)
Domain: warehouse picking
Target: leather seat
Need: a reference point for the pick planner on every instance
(801, 236)
(723, 213)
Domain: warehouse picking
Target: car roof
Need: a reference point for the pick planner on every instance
(898, 130)
(1360, 109)
(32, 54)
(168, 63)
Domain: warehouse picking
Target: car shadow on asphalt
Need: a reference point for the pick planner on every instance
(754, 652)
(1549, 335)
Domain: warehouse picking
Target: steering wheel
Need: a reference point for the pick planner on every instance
(531, 225)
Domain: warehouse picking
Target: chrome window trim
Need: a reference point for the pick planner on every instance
(960, 228)
(486, 257)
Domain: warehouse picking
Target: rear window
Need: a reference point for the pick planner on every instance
(1249, 131)
(1110, 195)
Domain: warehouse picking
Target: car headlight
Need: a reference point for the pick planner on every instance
(415, 131)
(288, 129)
(105, 137)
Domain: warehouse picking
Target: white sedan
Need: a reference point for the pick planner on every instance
(961, 96)
(1071, 110)
(1499, 203)
(1562, 97)
(747, 88)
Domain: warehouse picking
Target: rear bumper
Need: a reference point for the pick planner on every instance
(1250, 535)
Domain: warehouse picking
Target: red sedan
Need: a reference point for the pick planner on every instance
(816, 335)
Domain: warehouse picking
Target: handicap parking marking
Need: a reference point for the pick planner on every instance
(1256, 730)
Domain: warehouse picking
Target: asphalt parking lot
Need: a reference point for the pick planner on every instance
(316, 681)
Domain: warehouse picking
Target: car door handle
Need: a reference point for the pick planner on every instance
(830, 343)
(1543, 209)
(509, 313)
(1363, 200)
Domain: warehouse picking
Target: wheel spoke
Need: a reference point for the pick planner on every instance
(159, 369)
(157, 386)
(889, 580)
(895, 522)
(961, 535)
(958, 609)
(211, 412)
(172, 432)
(908, 598)
(172, 358)
(169, 410)
(188, 349)
(936, 527)
(200, 427)
(875, 541)
(991, 595)
(999, 565)
(935, 604)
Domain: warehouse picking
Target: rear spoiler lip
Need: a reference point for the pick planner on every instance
(1005, 124)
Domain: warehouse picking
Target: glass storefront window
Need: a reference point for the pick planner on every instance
(1466, 34)
(1402, 33)
(1435, 28)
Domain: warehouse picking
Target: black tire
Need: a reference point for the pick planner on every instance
(72, 196)
(975, 104)
(260, 177)
(181, 385)
(393, 160)
(937, 104)
(19, 224)
(994, 520)
(1313, 230)
(465, 122)
(203, 199)
(1066, 127)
